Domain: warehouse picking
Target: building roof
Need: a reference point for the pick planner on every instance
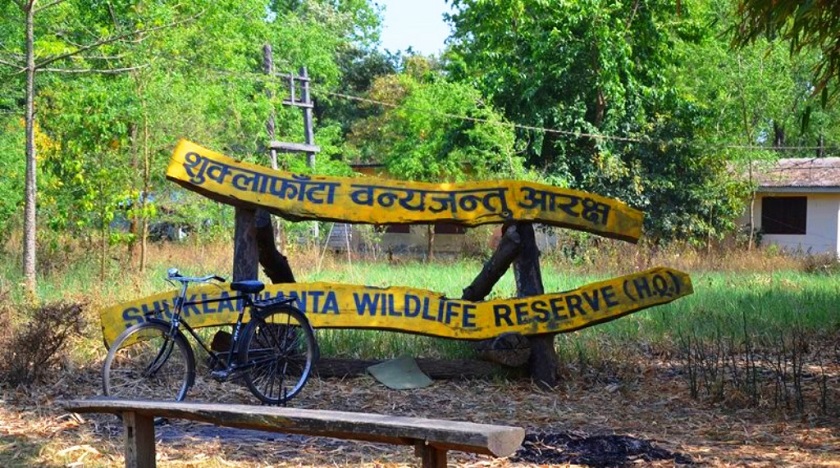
(798, 175)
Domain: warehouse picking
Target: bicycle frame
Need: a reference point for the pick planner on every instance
(176, 321)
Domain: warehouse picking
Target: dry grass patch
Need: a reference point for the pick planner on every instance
(652, 404)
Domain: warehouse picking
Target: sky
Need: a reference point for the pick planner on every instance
(416, 23)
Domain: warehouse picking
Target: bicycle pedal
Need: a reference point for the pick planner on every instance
(220, 375)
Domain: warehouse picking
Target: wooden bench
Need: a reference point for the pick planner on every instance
(430, 437)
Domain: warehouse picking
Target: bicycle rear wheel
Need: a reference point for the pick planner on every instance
(145, 362)
(278, 351)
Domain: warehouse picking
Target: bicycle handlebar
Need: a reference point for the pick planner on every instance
(174, 275)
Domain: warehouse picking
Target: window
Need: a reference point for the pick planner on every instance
(784, 215)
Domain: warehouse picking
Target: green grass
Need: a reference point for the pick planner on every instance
(723, 301)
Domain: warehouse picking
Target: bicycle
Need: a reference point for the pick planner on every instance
(273, 352)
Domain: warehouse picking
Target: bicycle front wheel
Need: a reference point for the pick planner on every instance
(277, 354)
(145, 362)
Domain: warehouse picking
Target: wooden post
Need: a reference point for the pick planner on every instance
(309, 131)
(270, 129)
(268, 67)
(139, 433)
(431, 457)
(309, 146)
(309, 134)
(245, 252)
(543, 361)
(510, 349)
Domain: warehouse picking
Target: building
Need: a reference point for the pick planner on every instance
(797, 204)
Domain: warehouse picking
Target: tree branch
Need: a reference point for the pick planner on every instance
(633, 15)
(49, 5)
(113, 39)
(12, 65)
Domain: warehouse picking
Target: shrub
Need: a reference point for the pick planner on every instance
(34, 349)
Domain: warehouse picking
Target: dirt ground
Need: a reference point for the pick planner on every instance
(652, 412)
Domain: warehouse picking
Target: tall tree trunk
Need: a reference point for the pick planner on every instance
(29, 220)
(548, 152)
(778, 135)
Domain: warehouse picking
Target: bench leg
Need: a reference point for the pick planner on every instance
(139, 433)
(431, 457)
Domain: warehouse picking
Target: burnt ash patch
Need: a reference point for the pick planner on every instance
(597, 451)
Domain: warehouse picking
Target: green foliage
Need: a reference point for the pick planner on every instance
(434, 131)
(89, 119)
(757, 95)
(687, 192)
(645, 98)
(806, 26)
(187, 70)
(359, 69)
(12, 167)
(600, 74)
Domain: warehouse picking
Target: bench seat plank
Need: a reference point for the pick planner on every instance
(485, 439)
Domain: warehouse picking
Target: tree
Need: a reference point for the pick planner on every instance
(71, 38)
(157, 82)
(432, 130)
(806, 26)
(757, 98)
(359, 68)
(596, 74)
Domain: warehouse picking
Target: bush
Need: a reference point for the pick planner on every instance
(34, 349)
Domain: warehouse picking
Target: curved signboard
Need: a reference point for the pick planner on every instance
(329, 305)
(381, 201)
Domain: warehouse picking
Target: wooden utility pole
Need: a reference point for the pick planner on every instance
(268, 67)
(305, 104)
(309, 132)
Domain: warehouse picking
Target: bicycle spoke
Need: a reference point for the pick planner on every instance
(150, 365)
(279, 352)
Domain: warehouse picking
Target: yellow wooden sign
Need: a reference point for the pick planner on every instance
(380, 201)
(329, 305)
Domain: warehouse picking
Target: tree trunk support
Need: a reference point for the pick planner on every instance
(504, 255)
(510, 349)
(275, 265)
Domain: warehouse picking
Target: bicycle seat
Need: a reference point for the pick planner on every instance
(247, 286)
